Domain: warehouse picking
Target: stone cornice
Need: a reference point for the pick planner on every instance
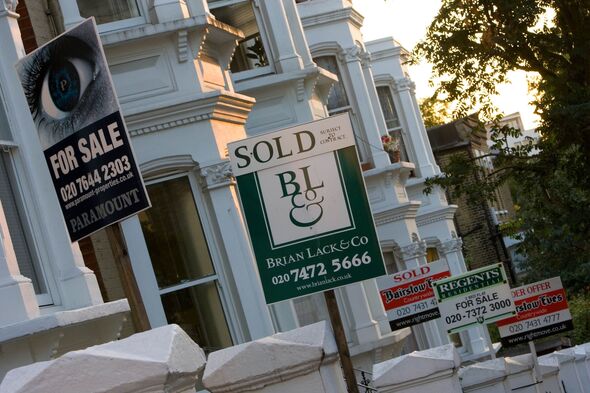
(224, 106)
(399, 213)
(441, 214)
(350, 14)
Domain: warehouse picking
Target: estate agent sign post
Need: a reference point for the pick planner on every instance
(309, 219)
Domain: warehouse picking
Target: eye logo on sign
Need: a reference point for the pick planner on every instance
(307, 201)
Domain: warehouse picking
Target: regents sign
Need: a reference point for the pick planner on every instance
(306, 207)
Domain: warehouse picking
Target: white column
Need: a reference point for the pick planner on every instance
(198, 7)
(404, 88)
(70, 13)
(451, 251)
(414, 255)
(297, 32)
(286, 55)
(376, 305)
(363, 326)
(17, 296)
(77, 284)
(352, 60)
(216, 180)
(168, 10)
(372, 90)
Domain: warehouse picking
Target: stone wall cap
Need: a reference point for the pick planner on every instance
(577, 354)
(269, 360)
(63, 318)
(520, 363)
(556, 359)
(145, 360)
(483, 372)
(418, 364)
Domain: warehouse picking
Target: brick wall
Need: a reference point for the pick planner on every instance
(26, 27)
(481, 244)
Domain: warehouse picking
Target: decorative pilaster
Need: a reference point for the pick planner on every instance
(17, 296)
(217, 181)
(404, 88)
(168, 10)
(352, 58)
(287, 58)
(70, 13)
(9, 5)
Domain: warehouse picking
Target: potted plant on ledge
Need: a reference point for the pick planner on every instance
(391, 146)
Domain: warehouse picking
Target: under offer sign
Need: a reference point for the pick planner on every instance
(408, 297)
(474, 298)
(306, 207)
(542, 311)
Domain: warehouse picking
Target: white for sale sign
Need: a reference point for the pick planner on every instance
(474, 298)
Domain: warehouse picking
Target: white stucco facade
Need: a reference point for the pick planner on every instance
(192, 76)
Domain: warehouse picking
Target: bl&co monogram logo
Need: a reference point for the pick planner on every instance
(305, 197)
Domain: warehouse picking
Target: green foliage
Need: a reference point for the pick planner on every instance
(435, 112)
(580, 309)
(472, 45)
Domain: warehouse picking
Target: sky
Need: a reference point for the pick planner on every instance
(407, 21)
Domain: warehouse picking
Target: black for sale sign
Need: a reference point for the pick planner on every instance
(86, 146)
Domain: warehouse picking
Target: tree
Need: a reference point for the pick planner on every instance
(472, 45)
(435, 111)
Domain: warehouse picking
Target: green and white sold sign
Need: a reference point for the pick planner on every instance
(474, 298)
(306, 207)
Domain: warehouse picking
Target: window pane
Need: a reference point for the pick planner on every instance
(174, 235)
(388, 107)
(106, 11)
(432, 254)
(197, 310)
(337, 97)
(250, 52)
(27, 263)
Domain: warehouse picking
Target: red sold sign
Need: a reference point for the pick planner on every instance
(408, 297)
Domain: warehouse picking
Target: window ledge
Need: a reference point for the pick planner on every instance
(144, 31)
(62, 319)
(266, 80)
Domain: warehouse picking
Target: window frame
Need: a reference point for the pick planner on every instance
(363, 148)
(401, 129)
(262, 31)
(50, 296)
(228, 298)
(124, 23)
